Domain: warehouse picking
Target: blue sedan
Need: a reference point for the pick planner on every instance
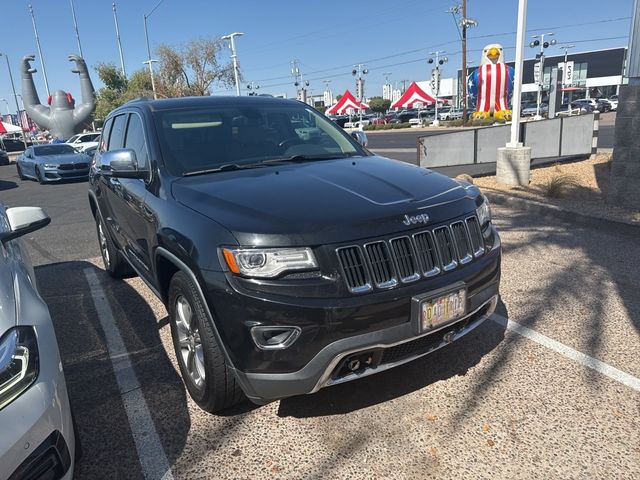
(52, 163)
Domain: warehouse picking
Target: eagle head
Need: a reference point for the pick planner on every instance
(492, 53)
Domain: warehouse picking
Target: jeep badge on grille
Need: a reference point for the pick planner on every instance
(422, 218)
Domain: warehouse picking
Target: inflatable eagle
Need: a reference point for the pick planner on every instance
(491, 84)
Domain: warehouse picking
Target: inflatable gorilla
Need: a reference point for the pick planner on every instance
(61, 117)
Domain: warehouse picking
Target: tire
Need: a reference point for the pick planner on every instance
(115, 265)
(20, 175)
(205, 372)
(39, 176)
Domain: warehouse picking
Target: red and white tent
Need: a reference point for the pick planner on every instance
(413, 95)
(346, 102)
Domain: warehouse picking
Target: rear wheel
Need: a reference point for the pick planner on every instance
(114, 264)
(205, 371)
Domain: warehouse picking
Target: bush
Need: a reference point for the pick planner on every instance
(453, 123)
(387, 126)
(370, 127)
(401, 125)
(558, 185)
(484, 122)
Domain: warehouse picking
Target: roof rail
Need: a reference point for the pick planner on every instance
(139, 99)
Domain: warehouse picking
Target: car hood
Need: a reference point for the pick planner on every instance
(66, 158)
(325, 201)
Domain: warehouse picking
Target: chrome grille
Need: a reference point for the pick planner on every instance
(462, 241)
(385, 263)
(382, 269)
(477, 241)
(405, 258)
(446, 248)
(427, 253)
(355, 271)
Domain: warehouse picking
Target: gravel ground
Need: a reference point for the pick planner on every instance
(587, 195)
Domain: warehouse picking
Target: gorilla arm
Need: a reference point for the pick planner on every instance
(83, 112)
(39, 113)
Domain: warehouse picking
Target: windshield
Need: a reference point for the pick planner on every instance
(53, 149)
(197, 139)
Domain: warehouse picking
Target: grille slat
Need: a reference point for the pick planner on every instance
(381, 264)
(477, 242)
(403, 253)
(384, 263)
(354, 269)
(445, 247)
(427, 253)
(462, 241)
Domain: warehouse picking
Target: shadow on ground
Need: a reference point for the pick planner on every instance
(93, 390)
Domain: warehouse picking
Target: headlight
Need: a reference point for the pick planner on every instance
(268, 262)
(50, 165)
(484, 212)
(18, 363)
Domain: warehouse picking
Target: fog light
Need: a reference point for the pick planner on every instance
(274, 337)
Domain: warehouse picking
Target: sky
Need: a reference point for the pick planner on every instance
(391, 37)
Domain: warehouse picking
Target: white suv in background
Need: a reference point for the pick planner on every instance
(82, 141)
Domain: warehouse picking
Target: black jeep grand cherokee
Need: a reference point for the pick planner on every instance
(289, 257)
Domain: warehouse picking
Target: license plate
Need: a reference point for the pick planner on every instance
(438, 311)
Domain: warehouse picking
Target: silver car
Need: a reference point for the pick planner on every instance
(52, 163)
(36, 431)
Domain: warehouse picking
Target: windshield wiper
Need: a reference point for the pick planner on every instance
(227, 167)
(307, 158)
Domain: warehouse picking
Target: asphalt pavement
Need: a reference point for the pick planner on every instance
(547, 388)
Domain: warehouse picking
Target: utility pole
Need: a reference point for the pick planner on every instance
(44, 70)
(234, 57)
(115, 19)
(464, 62)
(299, 82)
(75, 26)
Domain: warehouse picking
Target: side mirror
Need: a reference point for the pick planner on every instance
(360, 137)
(121, 164)
(23, 220)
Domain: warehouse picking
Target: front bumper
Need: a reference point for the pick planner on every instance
(56, 175)
(386, 348)
(38, 423)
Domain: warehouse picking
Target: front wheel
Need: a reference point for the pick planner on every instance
(39, 176)
(20, 174)
(205, 372)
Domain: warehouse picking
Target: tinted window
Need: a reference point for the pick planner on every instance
(196, 139)
(116, 138)
(59, 149)
(106, 129)
(135, 140)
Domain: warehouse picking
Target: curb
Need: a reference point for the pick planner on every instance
(554, 211)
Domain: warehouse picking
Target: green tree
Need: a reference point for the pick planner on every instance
(118, 90)
(338, 97)
(192, 69)
(379, 104)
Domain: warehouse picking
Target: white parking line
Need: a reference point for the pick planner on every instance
(575, 355)
(153, 459)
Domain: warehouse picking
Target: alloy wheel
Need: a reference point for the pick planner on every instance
(189, 341)
(104, 249)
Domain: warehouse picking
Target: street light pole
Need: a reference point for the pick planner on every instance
(75, 26)
(15, 96)
(542, 45)
(359, 70)
(149, 61)
(44, 70)
(234, 57)
(517, 81)
(115, 19)
(435, 79)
